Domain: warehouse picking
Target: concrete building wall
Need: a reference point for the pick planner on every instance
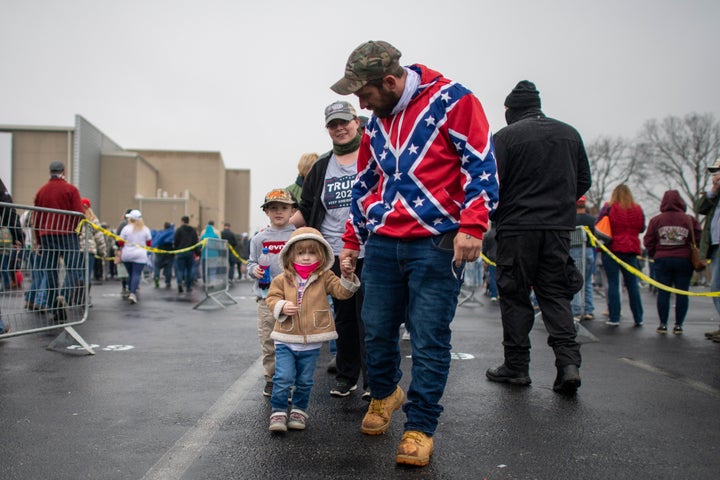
(118, 186)
(202, 173)
(237, 199)
(32, 151)
(147, 178)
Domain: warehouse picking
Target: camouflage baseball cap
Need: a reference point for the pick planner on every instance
(340, 109)
(369, 61)
(278, 195)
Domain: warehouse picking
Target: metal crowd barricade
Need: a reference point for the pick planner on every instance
(44, 272)
(215, 267)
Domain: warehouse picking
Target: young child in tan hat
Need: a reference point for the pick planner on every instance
(298, 299)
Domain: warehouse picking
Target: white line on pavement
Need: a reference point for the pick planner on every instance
(173, 464)
(699, 386)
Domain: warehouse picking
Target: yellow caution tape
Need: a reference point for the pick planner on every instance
(112, 235)
(596, 243)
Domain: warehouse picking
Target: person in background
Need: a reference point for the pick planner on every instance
(543, 170)
(279, 206)
(307, 160)
(298, 300)
(135, 235)
(163, 262)
(57, 234)
(583, 307)
(185, 238)
(11, 238)
(426, 183)
(95, 245)
(244, 252)
(325, 206)
(209, 232)
(627, 222)
(124, 292)
(228, 235)
(710, 238)
(667, 240)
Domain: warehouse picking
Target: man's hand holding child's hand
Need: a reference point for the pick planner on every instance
(347, 268)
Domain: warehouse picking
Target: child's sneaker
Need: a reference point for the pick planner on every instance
(662, 328)
(278, 422)
(677, 330)
(297, 419)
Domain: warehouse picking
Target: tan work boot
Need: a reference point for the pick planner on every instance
(377, 418)
(415, 449)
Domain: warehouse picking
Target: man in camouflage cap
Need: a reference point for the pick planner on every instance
(425, 187)
(370, 61)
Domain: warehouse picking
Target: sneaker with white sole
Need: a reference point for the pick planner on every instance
(297, 419)
(278, 422)
(132, 298)
(342, 388)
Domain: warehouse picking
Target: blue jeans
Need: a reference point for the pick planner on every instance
(673, 272)
(52, 247)
(612, 271)
(293, 368)
(422, 283)
(586, 293)
(183, 268)
(134, 275)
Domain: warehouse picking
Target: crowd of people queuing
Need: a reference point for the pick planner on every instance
(48, 245)
(375, 233)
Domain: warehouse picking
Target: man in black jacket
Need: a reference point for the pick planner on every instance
(185, 237)
(229, 235)
(543, 170)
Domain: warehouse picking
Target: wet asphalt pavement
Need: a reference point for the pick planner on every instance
(175, 393)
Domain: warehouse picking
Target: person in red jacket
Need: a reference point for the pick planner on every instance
(627, 222)
(57, 233)
(668, 240)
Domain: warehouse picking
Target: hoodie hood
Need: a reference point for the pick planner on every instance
(673, 202)
(308, 233)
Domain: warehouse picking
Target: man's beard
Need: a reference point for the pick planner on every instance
(389, 100)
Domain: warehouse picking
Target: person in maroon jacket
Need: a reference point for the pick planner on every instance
(668, 240)
(57, 233)
(627, 222)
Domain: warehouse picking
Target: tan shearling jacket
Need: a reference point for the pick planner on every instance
(314, 322)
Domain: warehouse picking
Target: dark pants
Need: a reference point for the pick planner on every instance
(673, 272)
(537, 260)
(350, 356)
(164, 265)
(183, 268)
(53, 247)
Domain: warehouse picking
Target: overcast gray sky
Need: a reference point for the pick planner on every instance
(251, 79)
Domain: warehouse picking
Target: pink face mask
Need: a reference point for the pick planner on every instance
(305, 270)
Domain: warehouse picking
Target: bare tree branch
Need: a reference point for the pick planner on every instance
(674, 154)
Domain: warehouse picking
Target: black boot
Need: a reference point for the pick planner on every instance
(503, 374)
(567, 380)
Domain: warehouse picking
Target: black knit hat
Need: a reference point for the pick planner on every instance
(524, 95)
